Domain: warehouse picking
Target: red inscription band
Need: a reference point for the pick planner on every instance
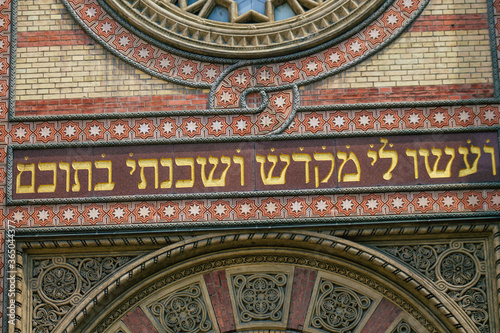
(255, 166)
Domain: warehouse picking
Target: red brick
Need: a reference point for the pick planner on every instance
(137, 321)
(221, 301)
(382, 318)
(303, 282)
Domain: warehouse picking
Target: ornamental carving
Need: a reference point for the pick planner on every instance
(260, 296)
(148, 290)
(456, 268)
(182, 312)
(338, 309)
(244, 29)
(403, 327)
(59, 283)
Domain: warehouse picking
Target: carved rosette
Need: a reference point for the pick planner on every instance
(456, 268)
(338, 309)
(260, 296)
(58, 284)
(182, 312)
(403, 327)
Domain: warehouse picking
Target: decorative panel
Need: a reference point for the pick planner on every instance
(183, 311)
(338, 309)
(260, 297)
(59, 283)
(457, 268)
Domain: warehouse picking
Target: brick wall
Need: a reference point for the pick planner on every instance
(449, 59)
(56, 60)
(137, 321)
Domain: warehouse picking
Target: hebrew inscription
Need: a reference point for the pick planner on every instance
(248, 167)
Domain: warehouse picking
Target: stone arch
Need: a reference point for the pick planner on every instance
(377, 286)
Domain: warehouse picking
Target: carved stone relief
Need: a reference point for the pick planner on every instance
(338, 309)
(403, 327)
(183, 311)
(59, 283)
(260, 296)
(243, 33)
(456, 268)
(258, 281)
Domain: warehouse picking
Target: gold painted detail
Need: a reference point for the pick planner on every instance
(251, 34)
(183, 311)
(338, 309)
(456, 268)
(260, 296)
(60, 283)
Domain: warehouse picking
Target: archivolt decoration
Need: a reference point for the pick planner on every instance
(192, 258)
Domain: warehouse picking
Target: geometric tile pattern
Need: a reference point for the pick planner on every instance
(264, 208)
(5, 47)
(192, 127)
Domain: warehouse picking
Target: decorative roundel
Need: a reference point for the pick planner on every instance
(244, 28)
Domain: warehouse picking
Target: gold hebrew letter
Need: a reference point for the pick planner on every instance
(211, 181)
(28, 167)
(373, 155)
(413, 153)
(241, 161)
(66, 167)
(491, 151)
(167, 162)
(323, 157)
(303, 158)
(185, 161)
(468, 170)
(49, 188)
(349, 177)
(269, 179)
(435, 173)
(109, 185)
(392, 154)
(131, 164)
(147, 163)
(87, 165)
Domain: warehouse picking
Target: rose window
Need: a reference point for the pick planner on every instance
(243, 28)
(247, 11)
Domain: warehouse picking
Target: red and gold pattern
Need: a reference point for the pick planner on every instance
(304, 207)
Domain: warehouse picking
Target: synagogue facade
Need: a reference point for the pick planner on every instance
(250, 166)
